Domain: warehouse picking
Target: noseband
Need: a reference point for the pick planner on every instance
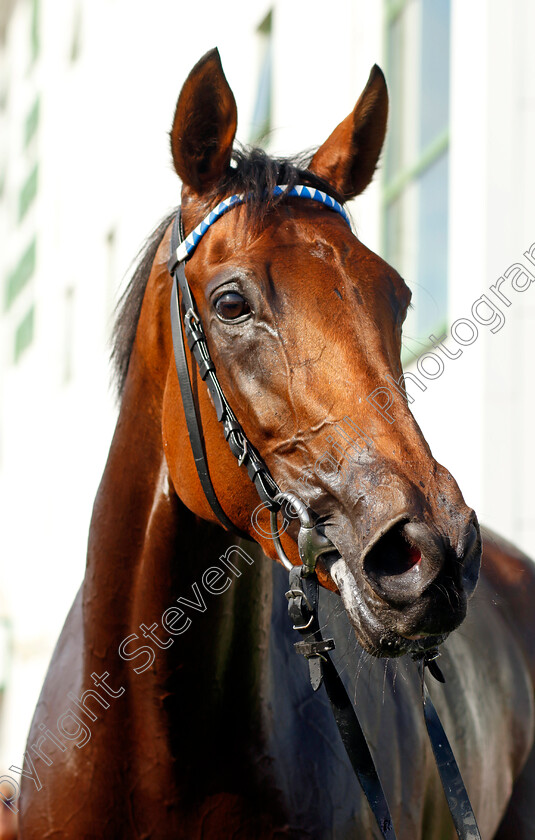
(303, 594)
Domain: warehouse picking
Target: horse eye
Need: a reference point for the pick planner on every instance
(231, 305)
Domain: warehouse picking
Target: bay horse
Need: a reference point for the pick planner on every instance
(174, 706)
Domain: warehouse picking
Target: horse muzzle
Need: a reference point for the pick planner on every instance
(410, 586)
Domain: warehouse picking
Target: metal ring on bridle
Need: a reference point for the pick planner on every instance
(301, 510)
(310, 542)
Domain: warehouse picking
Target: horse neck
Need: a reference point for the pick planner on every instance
(146, 550)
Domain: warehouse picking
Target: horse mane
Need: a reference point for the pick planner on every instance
(252, 172)
(128, 308)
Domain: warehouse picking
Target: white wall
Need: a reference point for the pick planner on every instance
(322, 65)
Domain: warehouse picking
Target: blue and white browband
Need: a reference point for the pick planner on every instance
(187, 247)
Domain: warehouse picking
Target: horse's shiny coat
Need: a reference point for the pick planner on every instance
(221, 737)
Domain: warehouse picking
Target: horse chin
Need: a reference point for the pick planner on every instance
(392, 644)
(376, 626)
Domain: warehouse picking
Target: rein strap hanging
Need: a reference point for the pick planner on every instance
(303, 600)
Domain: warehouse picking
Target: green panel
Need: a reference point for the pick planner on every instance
(393, 9)
(28, 192)
(262, 112)
(76, 43)
(32, 122)
(266, 26)
(24, 333)
(395, 48)
(434, 72)
(20, 275)
(429, 156)
(411, 354)
(34, 33)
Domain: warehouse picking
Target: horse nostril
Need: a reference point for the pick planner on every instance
(403, 561)
(392, 554)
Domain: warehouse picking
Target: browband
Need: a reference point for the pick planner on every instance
(186, 248)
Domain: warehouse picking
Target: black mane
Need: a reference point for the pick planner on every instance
(252, 172)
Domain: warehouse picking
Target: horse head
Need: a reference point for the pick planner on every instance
(303, 324)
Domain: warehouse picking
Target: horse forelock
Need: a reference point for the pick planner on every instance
(252, 172)
(256, 173)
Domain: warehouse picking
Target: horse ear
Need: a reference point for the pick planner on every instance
(347, 160)
(204, 125)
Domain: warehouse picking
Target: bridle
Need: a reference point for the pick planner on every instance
(303, 593)
(311, 542)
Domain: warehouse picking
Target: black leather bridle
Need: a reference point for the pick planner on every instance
(303, 593)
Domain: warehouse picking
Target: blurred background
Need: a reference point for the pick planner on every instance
(87, 95)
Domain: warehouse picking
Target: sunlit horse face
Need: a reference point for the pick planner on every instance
(304, 324)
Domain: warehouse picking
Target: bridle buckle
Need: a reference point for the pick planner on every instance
(243, 456)
(191, 316)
